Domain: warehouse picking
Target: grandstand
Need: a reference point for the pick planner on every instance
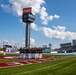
(67, 47)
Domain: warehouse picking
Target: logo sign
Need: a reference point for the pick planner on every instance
(26, 10)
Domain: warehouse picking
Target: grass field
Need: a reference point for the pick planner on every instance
(20, 60)
(15, 60)
(57, 67)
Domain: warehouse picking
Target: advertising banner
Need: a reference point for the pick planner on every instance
(26, 10)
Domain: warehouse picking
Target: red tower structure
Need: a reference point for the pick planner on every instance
(27, 18)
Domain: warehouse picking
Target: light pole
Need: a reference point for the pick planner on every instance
(0, 44)
(3, 43)
(50, 45)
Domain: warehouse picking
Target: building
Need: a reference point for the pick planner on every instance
(8, 48)
(67, 47)
(74, 42)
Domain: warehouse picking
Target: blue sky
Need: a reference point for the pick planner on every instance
(55, 22)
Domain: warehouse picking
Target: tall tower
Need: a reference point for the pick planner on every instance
(27, 35)
(27, 18)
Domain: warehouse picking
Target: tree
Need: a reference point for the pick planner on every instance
(50, 45)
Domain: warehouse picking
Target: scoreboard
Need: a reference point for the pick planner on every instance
(27, 16)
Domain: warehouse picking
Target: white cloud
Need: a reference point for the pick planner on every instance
(43, 13)
(56, 16)
(59, 33)
(35, 27)
(10, 42)
(0, 41)
(6, 7)
(6, 42)
(23, 38)
(32, 41)
(18, 5)
(23, 43)
(60, 28)
(50, 18)
(45, 17)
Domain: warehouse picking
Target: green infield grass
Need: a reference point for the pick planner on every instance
(9, 54)
(21, 60)
(57, 67)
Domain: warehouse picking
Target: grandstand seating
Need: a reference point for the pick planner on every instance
(68, 49)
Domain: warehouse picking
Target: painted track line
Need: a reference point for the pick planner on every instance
(28, 62)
